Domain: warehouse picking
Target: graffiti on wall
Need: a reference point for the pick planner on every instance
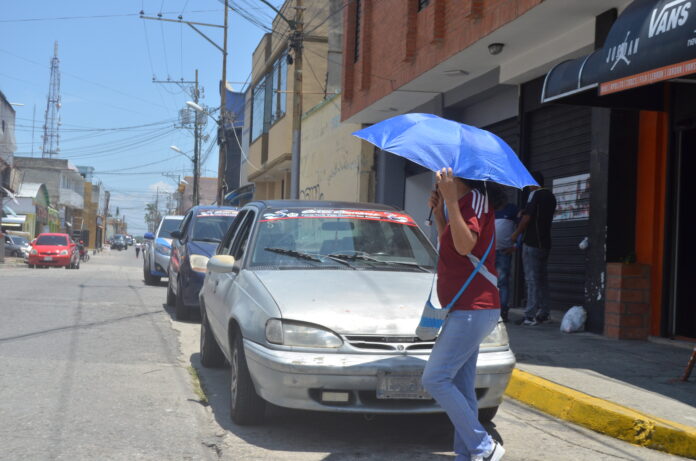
(312, 193)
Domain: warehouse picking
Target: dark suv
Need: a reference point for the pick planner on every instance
(119, 242)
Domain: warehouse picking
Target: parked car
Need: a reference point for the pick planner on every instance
(16, 246)
(129, 240)
(193, 244)
(54, 250)
(156, 253)
(118, 242)
(314, 305)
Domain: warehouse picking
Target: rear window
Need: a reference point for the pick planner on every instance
(211, 225)
(19, 240)
(58, 240)
(167, 227)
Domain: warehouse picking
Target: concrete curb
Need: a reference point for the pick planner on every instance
(602, 416)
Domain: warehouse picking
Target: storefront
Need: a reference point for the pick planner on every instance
(642, 80)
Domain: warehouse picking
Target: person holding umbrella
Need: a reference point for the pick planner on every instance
(466, 160)
(450, 373)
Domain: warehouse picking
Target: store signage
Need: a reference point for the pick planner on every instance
(668, 17)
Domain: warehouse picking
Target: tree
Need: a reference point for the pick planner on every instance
(152, 216)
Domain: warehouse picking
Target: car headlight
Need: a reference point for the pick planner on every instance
(198, 262)
(497, 338)
(34, 252)
(63, 253)
(165, 250)
(299, 334)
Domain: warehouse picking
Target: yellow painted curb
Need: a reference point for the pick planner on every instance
(602, 416)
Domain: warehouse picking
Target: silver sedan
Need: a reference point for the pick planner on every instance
(314, 306)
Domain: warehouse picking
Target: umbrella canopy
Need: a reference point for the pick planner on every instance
(435, 143)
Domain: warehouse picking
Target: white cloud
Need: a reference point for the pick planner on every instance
(161, 186)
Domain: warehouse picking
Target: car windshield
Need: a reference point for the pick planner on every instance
(57, 240)
(341, 239)
(167, 227)
(20, 241)
(211, 225)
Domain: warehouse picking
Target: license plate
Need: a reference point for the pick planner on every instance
(48, 258)
(400, 386)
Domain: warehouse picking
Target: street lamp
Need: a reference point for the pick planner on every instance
(196, 172)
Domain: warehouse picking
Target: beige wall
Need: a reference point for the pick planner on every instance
(275, 182)
(334, 165)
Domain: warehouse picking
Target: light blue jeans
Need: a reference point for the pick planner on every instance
(450, 377)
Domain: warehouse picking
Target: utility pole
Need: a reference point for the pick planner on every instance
(222, 134)
(296, 45)
(196, 135)
(196, 147)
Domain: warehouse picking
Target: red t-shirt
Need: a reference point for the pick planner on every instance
(454, 269)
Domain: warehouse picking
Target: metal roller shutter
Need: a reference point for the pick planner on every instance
(559, 147)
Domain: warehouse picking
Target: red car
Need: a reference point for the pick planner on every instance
(57, 250)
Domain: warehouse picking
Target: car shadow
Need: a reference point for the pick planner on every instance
(344, 436)
(195, 316)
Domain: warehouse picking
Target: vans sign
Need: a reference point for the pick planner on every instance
(669, 17)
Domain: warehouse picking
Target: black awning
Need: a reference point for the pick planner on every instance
(651, 41)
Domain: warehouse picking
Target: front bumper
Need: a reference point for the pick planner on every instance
(295, 379)
(55, 260)
(192, 288)
(160, 265)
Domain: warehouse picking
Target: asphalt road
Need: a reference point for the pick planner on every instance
(93, 367)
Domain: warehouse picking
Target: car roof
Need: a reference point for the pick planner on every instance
(321, 204)
(52, 233)
(212, 207)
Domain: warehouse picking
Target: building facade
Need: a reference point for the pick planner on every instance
(485, 63)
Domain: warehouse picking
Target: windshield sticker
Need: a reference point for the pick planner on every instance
(370, 215)
(208, 213)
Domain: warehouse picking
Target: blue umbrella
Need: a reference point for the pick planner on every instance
(435, 143)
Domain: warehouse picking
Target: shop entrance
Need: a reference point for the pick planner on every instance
(683, 297)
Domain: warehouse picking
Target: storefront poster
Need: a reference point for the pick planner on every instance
(572, 197)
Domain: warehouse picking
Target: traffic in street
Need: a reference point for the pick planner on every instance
(97, 366)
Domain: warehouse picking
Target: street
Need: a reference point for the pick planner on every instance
(94, 367)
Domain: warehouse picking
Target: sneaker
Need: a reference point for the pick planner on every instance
(542, 318)
(495, 455)
(526, 321)
(504, 316)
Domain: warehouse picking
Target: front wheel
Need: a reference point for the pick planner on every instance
(211, 354)
(171, 297)
(246, 407)
(486, 415)
(181, 312)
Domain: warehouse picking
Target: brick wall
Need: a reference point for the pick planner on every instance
(627, 305)
(398, 43)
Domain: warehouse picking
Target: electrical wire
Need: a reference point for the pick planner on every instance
(99, 16)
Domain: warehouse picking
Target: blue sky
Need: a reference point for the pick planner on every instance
(114, 117)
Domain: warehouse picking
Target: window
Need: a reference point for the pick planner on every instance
(280, 86)
(258, 104)
(358, 13)
(54, 240)
(227, 241)
(422, 4)
(242, 237)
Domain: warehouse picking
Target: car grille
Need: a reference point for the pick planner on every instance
(389, 343)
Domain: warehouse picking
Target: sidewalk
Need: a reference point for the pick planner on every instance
(632, 374)
(12, 263)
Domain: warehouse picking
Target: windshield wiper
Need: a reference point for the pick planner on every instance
(293, 253)
(207, 239)
(364, 257)
(339, 259)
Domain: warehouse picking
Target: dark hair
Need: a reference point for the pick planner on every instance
(538, 177)
(474, 184)
(497, 196)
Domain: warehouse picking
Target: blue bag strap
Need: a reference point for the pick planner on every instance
(471, 276)
(468, 281)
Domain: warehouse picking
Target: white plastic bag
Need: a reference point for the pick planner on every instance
(574, 320)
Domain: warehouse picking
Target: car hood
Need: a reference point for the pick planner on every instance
(202, 248)
(351, 302)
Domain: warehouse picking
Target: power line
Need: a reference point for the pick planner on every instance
(99, 16)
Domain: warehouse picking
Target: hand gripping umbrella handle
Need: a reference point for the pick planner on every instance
(429, 221)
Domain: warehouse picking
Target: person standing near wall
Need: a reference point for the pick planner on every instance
(535, 223)
(505, 223)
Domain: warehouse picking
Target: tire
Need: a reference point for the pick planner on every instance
(149, 279)
(181, 312)
(69, 266)
(32, 266)
(211, 354)
(171, 297)
(246, 407)
(486, 415)
(16, 254)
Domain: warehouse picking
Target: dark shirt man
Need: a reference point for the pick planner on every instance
(536, 221)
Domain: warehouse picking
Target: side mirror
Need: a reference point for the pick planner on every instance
(221, 264)
(176, 234)
(149, 236)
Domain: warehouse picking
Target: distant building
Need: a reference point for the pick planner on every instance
(64, 183)
(207, 192)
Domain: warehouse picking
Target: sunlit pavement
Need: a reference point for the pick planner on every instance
(94, 367)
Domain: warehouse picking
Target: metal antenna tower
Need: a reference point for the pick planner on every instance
(51, 136)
